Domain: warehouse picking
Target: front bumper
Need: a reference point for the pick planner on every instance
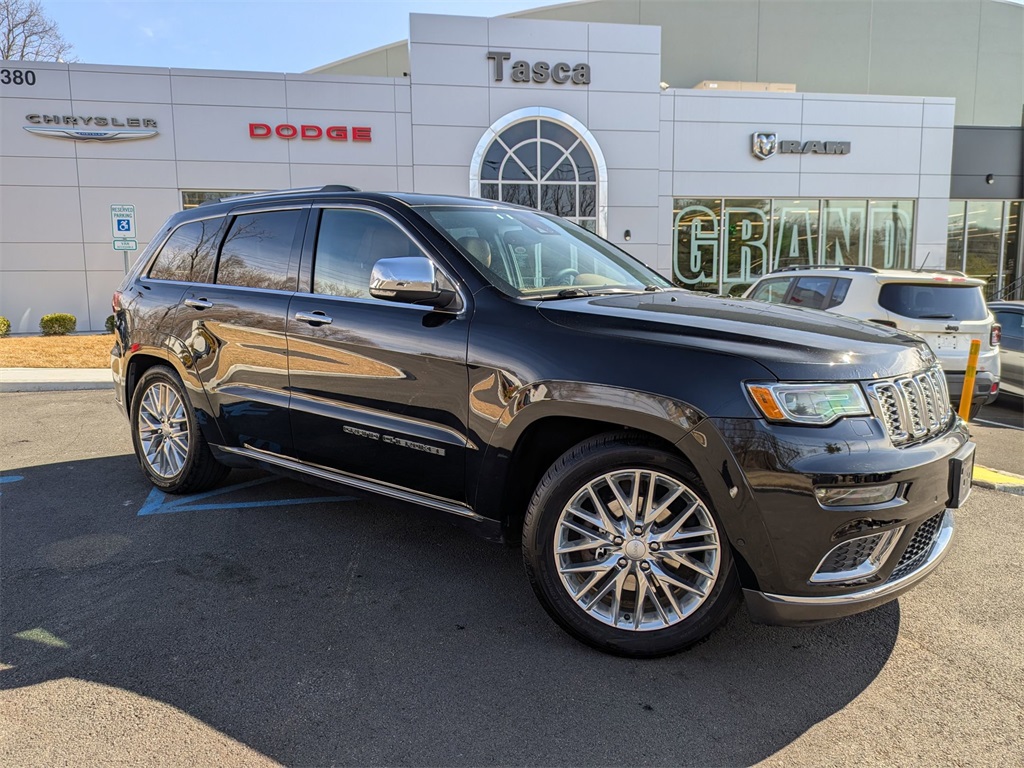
(794, 610)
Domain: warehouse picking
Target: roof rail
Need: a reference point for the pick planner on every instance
(839, 267)
(275, 192)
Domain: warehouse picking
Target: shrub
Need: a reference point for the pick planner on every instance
(109, 324)
(57, 324)
(5, 326)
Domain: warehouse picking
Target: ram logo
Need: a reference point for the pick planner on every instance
(765, 145)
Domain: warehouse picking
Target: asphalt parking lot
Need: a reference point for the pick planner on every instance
(269, 621)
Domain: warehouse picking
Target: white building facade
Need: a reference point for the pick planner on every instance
(712, 188)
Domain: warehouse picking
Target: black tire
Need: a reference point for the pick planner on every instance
(975, 410)
(592, 463)
(198, 470)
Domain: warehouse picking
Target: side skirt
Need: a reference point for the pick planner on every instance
(460, 513)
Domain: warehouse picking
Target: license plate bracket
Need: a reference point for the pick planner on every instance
(961, 471)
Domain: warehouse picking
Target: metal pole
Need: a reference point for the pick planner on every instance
(972, 371)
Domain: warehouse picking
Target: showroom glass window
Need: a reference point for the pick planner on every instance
(541, 163)
(984, 240)
(723, 246)
(189, 253)
(192, 198)
(257, 251)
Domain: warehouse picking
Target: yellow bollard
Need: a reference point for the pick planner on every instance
(972, 371)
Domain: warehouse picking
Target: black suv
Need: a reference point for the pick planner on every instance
(654, 451)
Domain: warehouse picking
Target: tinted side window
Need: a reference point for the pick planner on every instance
(934, 302)
(348, 244)
(1012, 322)
(773, 291)
(811, 292)
(189, 253)
(257, 251)
(839, 292)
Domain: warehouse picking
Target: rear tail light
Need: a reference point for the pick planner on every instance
(115, 302)
(996, 336)
(995, 388)
(888, 323)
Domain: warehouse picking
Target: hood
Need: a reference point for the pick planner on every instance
(794, 344)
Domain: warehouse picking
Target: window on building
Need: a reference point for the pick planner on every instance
(191, 198)
(189, 253)
(257, 251)
(890, 234)
(725, 245)
(541, 163)
(348, 245)
(984, 238)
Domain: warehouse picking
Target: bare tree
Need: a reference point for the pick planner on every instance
(28, 34)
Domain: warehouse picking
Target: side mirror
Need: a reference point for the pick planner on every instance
(411, 280)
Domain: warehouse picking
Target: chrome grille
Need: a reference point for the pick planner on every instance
(912, 407)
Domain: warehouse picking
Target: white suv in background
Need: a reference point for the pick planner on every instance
(946, 309)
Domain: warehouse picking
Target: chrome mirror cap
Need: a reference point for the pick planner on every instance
(409, 280)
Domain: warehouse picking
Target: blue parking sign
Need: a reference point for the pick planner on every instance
(124, 225)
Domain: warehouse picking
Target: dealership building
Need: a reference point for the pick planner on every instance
(713, 140)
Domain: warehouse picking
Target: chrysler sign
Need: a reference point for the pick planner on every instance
(766, 144)
(91, 128)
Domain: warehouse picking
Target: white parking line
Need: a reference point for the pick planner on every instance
(998, 424)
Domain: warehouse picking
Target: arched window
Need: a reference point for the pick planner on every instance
(542, 159)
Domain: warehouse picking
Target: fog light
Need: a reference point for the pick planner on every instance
(855, 497)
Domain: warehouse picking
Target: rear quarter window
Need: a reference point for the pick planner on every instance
(933, 301)
(189, 254)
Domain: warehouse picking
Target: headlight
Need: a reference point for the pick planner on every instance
(809, 403)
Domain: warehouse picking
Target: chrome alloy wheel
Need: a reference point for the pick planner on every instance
(637, 550)
(163, 430)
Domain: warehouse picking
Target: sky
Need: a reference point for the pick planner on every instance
(255, 35)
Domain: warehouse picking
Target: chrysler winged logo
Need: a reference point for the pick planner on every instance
(765, 145)
(92, 134)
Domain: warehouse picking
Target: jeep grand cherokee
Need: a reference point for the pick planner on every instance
(656, 453)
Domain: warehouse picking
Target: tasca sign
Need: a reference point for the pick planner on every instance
(538, 71)
(766, 144)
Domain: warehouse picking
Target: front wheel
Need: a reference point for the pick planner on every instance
(168, 444)
(625, 550)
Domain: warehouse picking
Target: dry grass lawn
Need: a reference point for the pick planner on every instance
(84, 351)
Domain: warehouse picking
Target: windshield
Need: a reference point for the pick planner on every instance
(934, 302)
(531, 255)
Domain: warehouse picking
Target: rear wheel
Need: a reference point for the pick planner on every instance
(975, 410)
(168, 443)
(625, 551)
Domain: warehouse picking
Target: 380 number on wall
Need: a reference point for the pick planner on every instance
(17, 77)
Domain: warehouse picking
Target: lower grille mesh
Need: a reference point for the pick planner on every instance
(848, 556)
(918, 548)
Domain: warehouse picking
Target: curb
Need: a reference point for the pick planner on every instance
(997, 480)
(53, 386)
(54, 379)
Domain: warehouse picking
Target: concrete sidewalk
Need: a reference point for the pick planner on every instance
(54, 379)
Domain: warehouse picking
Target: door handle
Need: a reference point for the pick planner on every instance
(198, 303)
(314, 318)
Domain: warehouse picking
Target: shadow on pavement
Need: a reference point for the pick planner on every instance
(365, 633)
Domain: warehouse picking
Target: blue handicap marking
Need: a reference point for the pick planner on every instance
(160, 503)
(124, 225)
(10, 479)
